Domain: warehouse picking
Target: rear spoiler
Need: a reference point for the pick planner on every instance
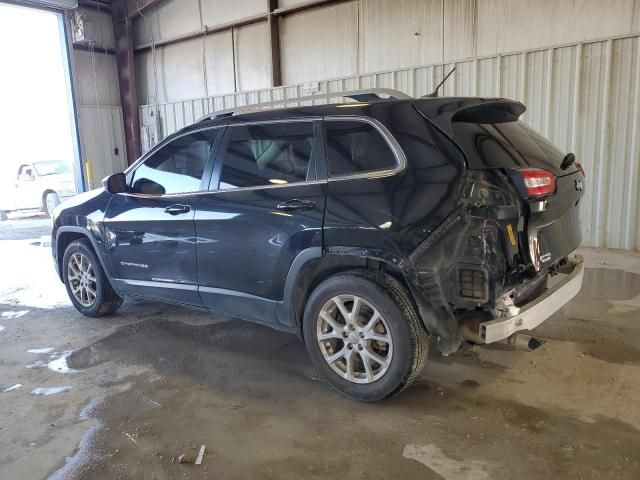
(443, 112)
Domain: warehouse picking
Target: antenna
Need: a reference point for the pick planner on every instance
(435, 92)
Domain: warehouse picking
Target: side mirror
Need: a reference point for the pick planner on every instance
(116, 183)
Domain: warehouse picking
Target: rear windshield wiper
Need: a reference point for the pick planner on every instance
(567, 161)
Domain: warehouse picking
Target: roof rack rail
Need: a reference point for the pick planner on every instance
(367, 95)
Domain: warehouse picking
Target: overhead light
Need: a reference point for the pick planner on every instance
(277, 181)
(386, 225)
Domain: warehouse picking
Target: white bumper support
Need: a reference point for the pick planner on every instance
(537, 311)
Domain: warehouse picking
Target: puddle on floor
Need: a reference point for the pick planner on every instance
(609, 284)
(60, 363)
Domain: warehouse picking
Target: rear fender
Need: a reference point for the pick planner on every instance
(312, 266)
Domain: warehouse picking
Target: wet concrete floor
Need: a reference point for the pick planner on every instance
(155, 382)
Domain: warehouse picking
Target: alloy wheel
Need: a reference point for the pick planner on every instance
(354, 339)
(82, 279)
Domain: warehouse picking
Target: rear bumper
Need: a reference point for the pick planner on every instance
(538, 310)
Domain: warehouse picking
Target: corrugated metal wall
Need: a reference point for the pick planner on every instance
(585, 97)
(100, 125)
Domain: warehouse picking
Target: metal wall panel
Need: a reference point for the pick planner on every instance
(101, 134)
(176, 74)
(218, 12)
(459, 25)
(585, 97)
(319, 44)
(101, 68)
(414, 25)
(169, 19)
(253, 67)
(99, 27)
(218, 54)
(290, 3)
(512, 25)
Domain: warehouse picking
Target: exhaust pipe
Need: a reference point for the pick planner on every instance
(522, 342)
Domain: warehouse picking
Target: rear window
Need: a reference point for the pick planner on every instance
(506, 145)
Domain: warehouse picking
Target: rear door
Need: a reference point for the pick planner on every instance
(264, 207)
(150, 234)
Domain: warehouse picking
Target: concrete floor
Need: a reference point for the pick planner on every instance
(155, 382)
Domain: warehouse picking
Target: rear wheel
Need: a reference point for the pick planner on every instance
(363, 333)
(51, 201)
(86, 283)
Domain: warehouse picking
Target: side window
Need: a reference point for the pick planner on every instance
(266, 154)
(354, 147)
(178, 167)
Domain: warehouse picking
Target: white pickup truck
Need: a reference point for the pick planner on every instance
(37, 186)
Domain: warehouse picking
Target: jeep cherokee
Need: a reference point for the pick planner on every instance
(365, 228)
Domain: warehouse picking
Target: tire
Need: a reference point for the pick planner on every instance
(104, 299)
(51, 201)
(3, 216)
(401, 341)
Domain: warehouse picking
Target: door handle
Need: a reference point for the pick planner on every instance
(177, 209)
(296, 204)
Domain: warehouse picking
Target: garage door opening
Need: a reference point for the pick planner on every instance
(40, 163)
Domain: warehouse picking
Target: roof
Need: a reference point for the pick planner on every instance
(441, 110)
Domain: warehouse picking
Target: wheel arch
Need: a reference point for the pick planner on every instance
(64, 237)
(311, 267)
(43, 197)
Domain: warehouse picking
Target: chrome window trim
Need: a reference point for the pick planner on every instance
(401, 159)
(226, 190)
(202, 192)
(396, 149)
(164, 142)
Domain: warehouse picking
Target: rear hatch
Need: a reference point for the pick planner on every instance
(549, 184)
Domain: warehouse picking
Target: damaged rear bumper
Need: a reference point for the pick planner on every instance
(538, 310)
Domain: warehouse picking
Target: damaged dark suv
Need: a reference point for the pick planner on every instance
(365, 228)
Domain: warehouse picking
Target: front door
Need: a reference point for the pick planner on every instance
(265, 206)
(150, 235)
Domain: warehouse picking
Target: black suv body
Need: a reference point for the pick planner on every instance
(362, 227)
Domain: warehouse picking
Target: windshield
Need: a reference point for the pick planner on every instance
(51, 167)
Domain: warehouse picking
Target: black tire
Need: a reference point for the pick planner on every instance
(106, 300)
(50, 201)
(3, 216)
(409, 337)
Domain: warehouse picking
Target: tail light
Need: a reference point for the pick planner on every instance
(580, 167)
(537, 182)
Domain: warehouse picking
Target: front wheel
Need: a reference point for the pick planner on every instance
(364, 335)
(51, 201)
(86, 283)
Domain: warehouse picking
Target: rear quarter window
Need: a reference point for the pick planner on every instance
(355, 146)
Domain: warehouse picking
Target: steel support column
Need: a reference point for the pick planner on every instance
(123, 34)
(274, 43)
